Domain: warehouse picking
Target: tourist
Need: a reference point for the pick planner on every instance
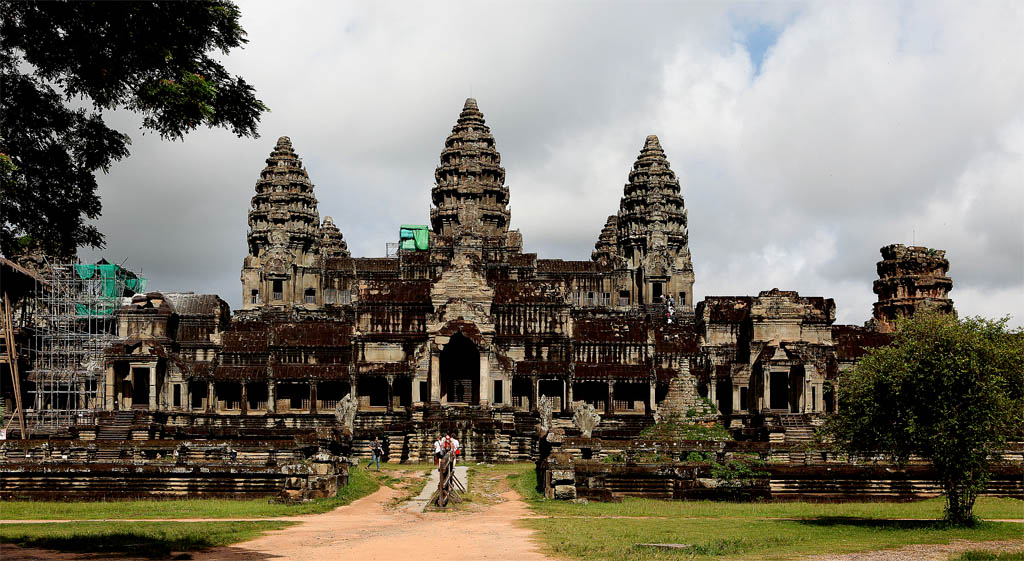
(375, 452)
(455, 449)
(437, 449)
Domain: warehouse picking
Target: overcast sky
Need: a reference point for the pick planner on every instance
(805, 136)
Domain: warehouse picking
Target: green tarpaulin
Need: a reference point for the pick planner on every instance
(116, 282)
(417, 233)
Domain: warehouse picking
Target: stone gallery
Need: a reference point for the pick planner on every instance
(459, 329)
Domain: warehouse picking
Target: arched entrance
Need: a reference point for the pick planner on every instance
(460, 371)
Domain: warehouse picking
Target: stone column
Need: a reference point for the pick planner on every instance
(391, 393)
(435, 377)
(766, 377)
(534, 393)
(609, 407)
(712, 386)
(415, 397)
(652, 404)
(108, 383)
(243, 407)
(737, 405)
(271, 395)
(152, 387)
(188, 395)
(568, 395)
(211, 397)
(485, 379)
(312, 397)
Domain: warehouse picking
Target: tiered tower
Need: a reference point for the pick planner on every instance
(285, 235)
(284, 201)
(605, 249)
(332, 243)
(910, 279)
(651, 230)
(470, 195)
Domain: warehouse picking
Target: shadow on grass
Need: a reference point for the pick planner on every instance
(126, 543)
(143, 539)
(877, 524)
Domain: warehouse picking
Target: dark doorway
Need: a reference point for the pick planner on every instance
(779, 391)
(829, 397)
(460, 371)
(140, 387)
(796, 388)
(723, 395)
(656, 292)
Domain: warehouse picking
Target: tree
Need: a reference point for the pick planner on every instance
(62, 64)
(945, 389)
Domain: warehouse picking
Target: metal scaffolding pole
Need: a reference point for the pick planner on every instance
(74, 323)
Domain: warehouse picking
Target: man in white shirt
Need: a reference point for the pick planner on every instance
(455, 449)
(437, 449)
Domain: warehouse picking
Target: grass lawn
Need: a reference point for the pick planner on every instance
(361, 483)
(151, 539)
(989, 556)
(748, 530)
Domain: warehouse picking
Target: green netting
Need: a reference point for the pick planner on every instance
(409, 245)
(112, 276)
(419, 233)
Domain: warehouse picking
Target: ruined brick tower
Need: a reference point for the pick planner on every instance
(910, 279)
(470, 195)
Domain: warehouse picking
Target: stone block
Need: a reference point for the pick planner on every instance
(565, 492)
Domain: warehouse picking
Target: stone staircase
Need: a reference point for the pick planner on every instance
(118, 428)
(797, 427)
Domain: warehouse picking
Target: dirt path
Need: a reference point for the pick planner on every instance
(368, 530)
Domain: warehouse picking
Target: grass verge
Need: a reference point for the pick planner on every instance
(360, 484)
(149, 539)
(710, 530)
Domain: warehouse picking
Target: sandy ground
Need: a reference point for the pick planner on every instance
(369, 530)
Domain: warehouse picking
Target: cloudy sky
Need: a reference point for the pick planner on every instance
(806, 136)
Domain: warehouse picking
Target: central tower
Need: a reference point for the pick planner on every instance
(469, 195)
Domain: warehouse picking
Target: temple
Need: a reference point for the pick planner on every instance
(461, 328)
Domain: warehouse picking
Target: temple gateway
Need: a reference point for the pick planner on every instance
(461, 329)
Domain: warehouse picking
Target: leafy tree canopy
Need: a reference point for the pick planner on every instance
(946, 389)
(62, 64)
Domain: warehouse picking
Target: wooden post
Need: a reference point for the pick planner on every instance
(11, 357)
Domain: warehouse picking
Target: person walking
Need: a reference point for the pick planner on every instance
(455, 449)
(375, 452)
(437, 449)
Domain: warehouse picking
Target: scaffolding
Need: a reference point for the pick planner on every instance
(75, 321)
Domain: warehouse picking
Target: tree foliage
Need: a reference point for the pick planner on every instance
(62, 64)
(946, 389)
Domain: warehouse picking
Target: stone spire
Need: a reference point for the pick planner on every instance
(910, 279)
(470, 195)
(605, 249)
(332, 243)
(284, 211)
(651, 212)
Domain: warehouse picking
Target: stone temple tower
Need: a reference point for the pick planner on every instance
(650, 230)
(285, 235)
(470, 196)
(910, 279)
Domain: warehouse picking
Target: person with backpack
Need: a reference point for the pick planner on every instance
(375, 453)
